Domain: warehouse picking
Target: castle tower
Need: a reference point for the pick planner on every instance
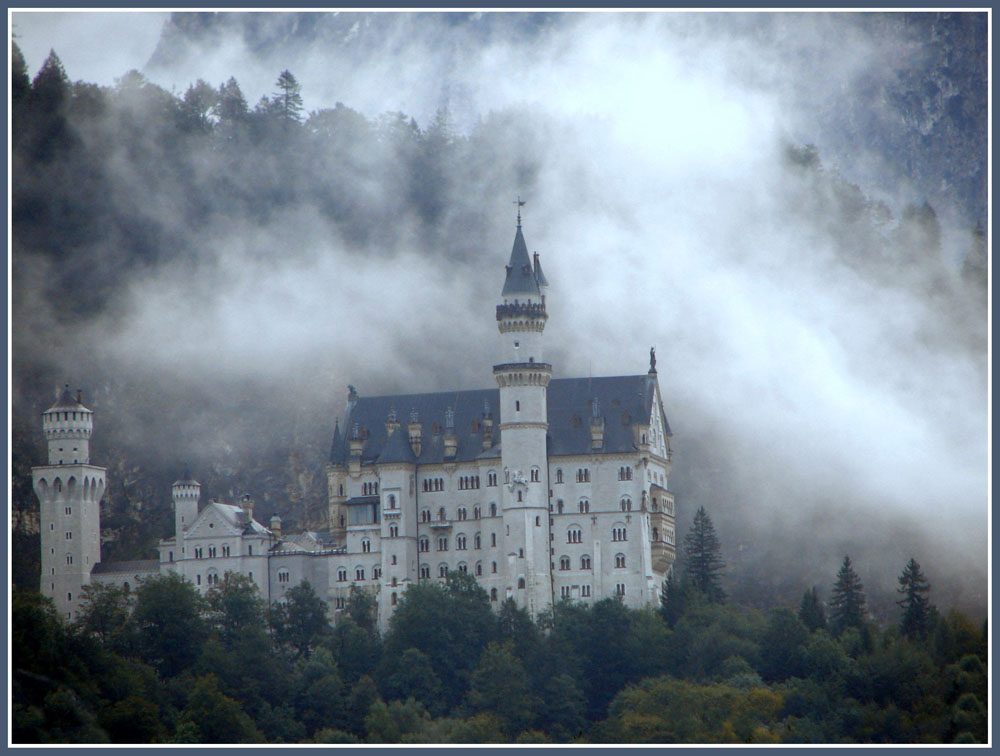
(69, 490)
(523, 379)
(185, 494)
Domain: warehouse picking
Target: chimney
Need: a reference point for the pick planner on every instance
(414, 429)
(450, 439)
(276, 525)
(247, 504)
(487, 426)
(596, 425)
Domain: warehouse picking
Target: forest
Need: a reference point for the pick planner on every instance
(164, 664)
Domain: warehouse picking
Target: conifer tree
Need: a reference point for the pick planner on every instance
(289, 99)
(702, 563)
(847, 600)
(916, 608)
(811, 612)
(671, 600)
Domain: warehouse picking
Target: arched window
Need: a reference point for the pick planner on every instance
(491, 478)
(460, 542)
(574, 535)
(463, 567)
(284, 576)
(443, 543)
(479, 569)
(559, 478)
(478, 541)
(656, 533)
(366, 546)
(494, 568)
(534, 475)
(441, 513)
(392, 501)
(477, 512)
(520, 582)
(392, 600)
(342, 575)
(564, 563)
(618, 534)
(493, 509)
(585, 562)
(619, 561)
(493, 540)
(584, 506)
(69, 559)
(425, 515)
(559, 506)
(655, 507)
(359, 573)
(394, 531)
(493, 594)
(425, 572)
(425, 543)
(442, 570)
(520, 496)
(463, 513)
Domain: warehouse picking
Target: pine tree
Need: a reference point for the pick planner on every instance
(289, 99)
(671, 600)
(916, 608)
(702, 563)
(50, 88)
(811, 612)
(847, 600)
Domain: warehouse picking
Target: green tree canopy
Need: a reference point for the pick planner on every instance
(703, 563)
(168, 612)
(847, 599)
(811, 612)
(288, 98)
(915, 621)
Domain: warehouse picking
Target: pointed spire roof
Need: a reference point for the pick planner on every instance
(67, 401)
(338, 442)
(186, 479)
(397, 449)
(539, 276)
(520, 274)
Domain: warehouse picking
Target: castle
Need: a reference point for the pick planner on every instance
(544, 489)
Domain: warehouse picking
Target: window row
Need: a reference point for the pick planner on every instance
(468, 481)
(369, 489)
(199, 552)
(575, 534)
(359, 573)
(433, 484)
(566, 591)
(564, 563)
(625, 473)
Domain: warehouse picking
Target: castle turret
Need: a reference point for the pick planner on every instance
(523, 379)
(185, 494)
(69, 490)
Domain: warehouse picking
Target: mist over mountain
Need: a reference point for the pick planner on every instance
(213, 271)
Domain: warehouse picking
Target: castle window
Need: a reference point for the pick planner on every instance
(585, 591)
(534, 475)
(392, 501)
(340, 490)
(585, 562)
(584, 506)
(69, 535)
(626, 504)
(392, 600)
(443, 543)
(359, 573)
(520, 583)
(463, 513)
(538, 521)
(366, 546)
(52, 526)
(425, 515)
(198, 552)
(493, 540)
(284, 576)
(441, 513)
(479, 569)
(393, 562)
(69, 596)
(170, 556)
(463, 567)
(559, 478)
(225, 549)
(338, 602)
(618, 534)
(342, 575)
(342, 521)
(475, 481)
(460, 542)
(619, 561)
(197, 579)
(520, 553)
(493, 568)
(656, 533)
(619, 589)
(477, 512)
(564, 592)
(425, 544)
(520, 496)
(376, 572)
(478, 541)
(69, 559)
(493, 594)
(491, 478)
(655, 507)
(249, 549)
(517, 406)
(559, 506)
(211, 552)
(564, 563)
(425, 572)
(69, 510)
(574, 535)
(442, 570)
(493, 509)
(394, 531)
(506, 476)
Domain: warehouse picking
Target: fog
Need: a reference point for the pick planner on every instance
(818, 407)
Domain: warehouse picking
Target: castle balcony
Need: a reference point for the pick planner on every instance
(518, 309)
(440, 524)
(663, 555)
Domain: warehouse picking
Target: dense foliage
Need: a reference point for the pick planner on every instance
(167, 665)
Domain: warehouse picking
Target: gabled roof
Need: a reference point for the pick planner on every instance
(230, 515)
(397, 448)
(621, 401)
(520, 275)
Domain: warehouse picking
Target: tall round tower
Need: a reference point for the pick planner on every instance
(185, 494)
(523, 379)
(69, 490)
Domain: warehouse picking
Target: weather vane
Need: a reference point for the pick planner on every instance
(520, 203)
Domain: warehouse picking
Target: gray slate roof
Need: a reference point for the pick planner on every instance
(136, 566)
(520, 275)
(622, 400)
(67, 402)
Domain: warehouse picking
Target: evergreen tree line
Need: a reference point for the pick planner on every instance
(164, 664)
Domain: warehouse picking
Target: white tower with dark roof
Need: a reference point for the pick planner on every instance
(69, 490)
(523, 378)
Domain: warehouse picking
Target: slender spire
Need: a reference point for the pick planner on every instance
(520, 272)
(520, 203)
